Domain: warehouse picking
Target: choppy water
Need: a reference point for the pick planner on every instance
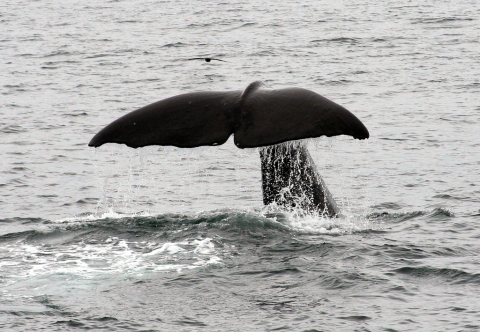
(162, 239)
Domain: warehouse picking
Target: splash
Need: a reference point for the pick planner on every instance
(302, 222)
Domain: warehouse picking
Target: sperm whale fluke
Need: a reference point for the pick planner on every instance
(257, 117)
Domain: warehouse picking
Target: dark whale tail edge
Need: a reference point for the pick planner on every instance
(257, 117)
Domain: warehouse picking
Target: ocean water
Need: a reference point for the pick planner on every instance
(169, 239)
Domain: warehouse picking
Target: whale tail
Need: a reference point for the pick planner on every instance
(256, 117)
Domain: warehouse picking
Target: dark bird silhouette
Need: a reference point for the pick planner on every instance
(207, 59)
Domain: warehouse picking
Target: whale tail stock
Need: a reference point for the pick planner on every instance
(257, 117)
(291, 180)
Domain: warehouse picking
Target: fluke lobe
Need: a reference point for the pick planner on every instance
(257, 117)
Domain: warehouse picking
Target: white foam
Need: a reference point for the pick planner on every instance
(170, 248)
(113, 256)
(204, 247)
(109, 214)
(302, 222)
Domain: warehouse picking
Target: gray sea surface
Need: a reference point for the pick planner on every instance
(169, 239)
